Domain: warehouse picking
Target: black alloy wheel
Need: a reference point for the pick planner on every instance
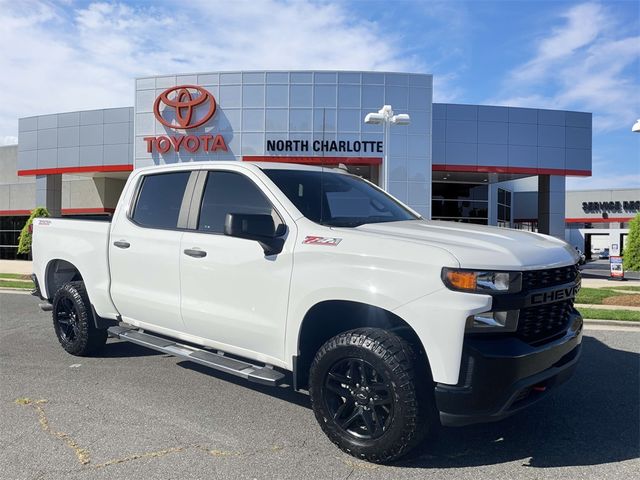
(359, 398)
(67, 319)
(372, 394)
(73, 321)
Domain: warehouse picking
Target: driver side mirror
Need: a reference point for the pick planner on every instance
(258, 227)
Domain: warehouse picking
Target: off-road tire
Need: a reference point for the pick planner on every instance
(394, 363)
(73, 321)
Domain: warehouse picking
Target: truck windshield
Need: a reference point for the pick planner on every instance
(337, 199)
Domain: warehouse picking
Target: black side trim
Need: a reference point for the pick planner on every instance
(36, 292)
(102, 323)
(296, 380)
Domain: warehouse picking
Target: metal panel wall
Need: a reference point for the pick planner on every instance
(257, 106)
(93, 138)
(552, 141)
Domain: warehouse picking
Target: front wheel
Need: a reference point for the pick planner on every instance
(73, 321)
(366, 397)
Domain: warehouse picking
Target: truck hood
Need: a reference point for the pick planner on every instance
(480, 246)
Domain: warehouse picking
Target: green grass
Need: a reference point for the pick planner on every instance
(631, 289)
(17, 276)
(16, 284)
(595, 295)
(601, 314)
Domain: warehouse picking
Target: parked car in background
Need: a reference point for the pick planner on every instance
(604, 254)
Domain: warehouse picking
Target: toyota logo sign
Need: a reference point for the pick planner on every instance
(186, 106)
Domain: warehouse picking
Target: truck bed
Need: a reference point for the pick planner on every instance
(84, 243)
(95, 218)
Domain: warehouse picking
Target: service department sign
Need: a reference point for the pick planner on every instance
(185, 107)
(626, 206)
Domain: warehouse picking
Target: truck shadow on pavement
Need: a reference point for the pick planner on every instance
(592, 419)
(283, 392)
(119, 349)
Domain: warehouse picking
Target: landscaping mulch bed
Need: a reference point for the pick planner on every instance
(623, 300)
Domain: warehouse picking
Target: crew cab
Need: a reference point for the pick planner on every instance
(393, 324)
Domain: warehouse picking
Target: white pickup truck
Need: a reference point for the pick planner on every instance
(393, 324)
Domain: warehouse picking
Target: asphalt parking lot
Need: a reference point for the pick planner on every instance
(602, 269)
(136, 414)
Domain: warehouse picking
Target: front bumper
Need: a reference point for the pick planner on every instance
(502, 375)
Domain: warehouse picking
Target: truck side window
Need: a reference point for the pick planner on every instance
(159, 200)
(229, 192)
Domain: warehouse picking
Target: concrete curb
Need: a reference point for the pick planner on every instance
(19, 291)
(618, 323)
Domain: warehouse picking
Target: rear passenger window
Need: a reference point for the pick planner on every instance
(159, 200)
(228, 192)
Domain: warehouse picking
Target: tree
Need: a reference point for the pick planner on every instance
(631, 257)
(24, 241)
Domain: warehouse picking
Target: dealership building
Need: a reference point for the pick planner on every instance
(491, 165)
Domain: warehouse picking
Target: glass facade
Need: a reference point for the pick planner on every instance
(504, 208)
(460, 202)
(10, 227)
(527, 225)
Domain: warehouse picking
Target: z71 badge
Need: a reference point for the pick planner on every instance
(330, 241)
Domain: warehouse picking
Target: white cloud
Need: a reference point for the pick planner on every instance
(603, 181)
(582, 25)
(445, 89)
(605, 176)
(8, 140)
(588, 62)
(57, 57)
(446, 28)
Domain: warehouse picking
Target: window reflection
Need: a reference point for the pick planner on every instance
(460, 202)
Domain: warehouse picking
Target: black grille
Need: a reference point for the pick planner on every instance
(535, 279)
(544, 322)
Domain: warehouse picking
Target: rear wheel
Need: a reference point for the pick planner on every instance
(73, 321)
(366, 396)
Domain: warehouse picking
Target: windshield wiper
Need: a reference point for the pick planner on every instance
(346, 224)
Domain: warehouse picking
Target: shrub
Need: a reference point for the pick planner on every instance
(631, 259)
(24, 241)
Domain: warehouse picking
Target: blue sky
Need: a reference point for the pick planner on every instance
(584, 56)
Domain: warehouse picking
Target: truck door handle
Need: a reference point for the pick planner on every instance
(122, 244)
(194, 252)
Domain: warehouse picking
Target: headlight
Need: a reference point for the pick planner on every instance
(476, 281)
(493, 322)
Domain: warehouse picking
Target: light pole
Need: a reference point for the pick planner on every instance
(386, 117)
(636, 126)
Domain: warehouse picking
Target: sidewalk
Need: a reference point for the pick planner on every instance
(15, 266)
(603, 282)
(606, 307)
